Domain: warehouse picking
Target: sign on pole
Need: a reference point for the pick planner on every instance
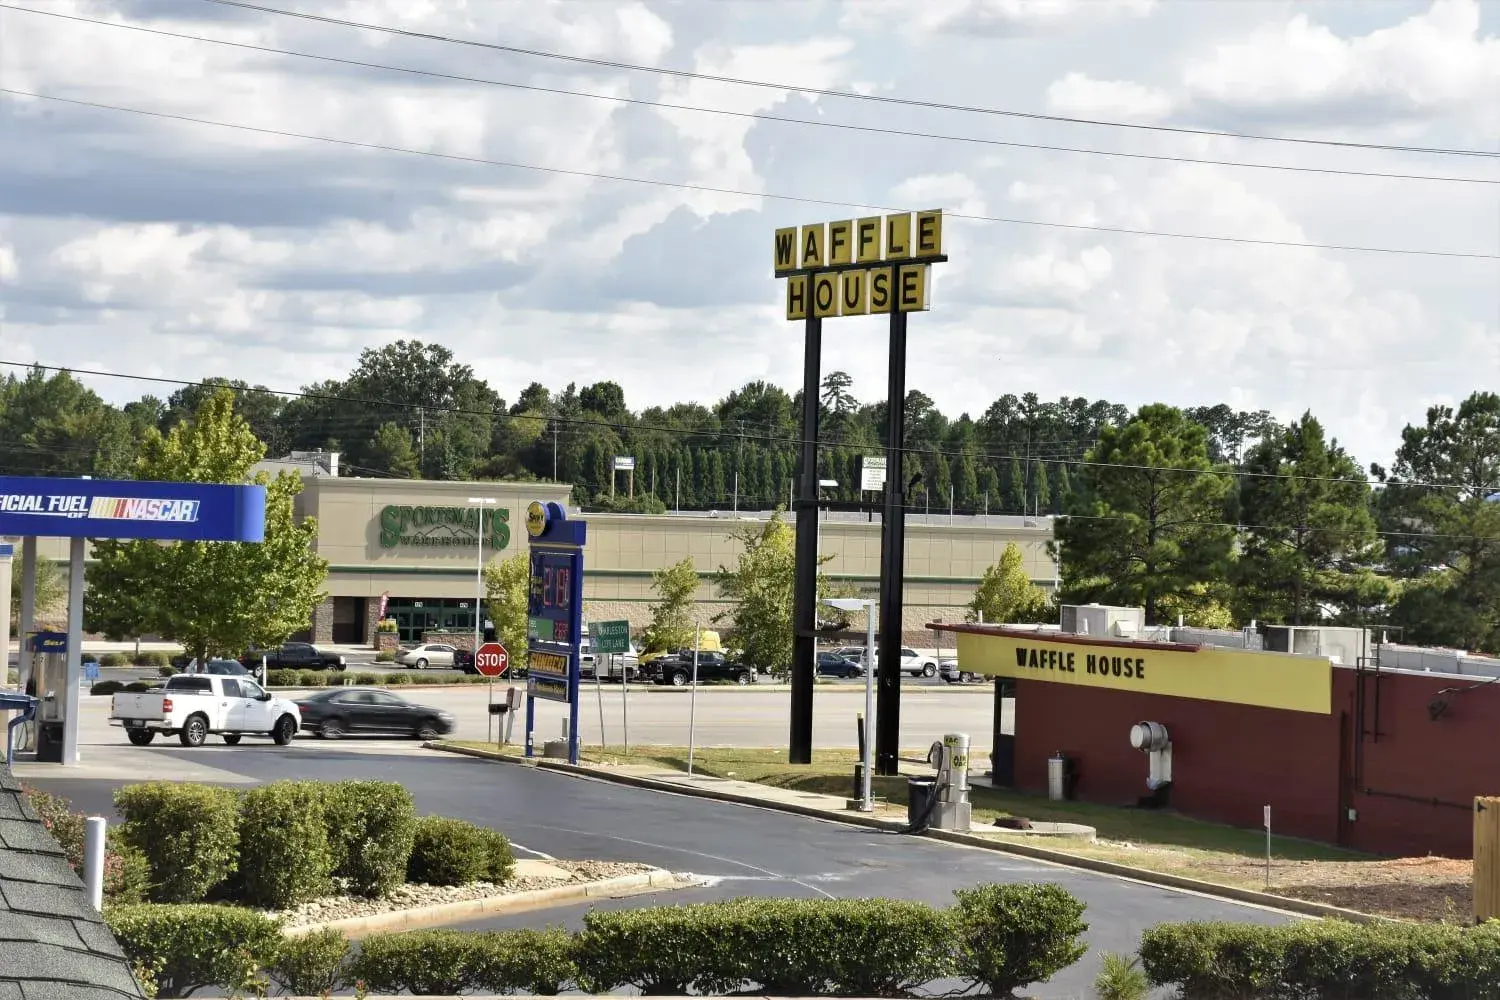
(871, 473)
(491, 660)
(624, 463)
(554, 615)
(610, 637)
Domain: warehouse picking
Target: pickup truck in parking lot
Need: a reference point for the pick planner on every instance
(295, 656)
(191, 706)
(676, 669)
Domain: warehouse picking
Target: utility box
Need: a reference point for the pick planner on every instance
(1104, 620)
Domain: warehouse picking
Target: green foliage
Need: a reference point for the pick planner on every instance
(213, 598)
(760, 589)
(1148, 520)
(51, 587)
(106, 687)
(114, 660)
(398, 680)
(538, 962)
(313, 678)
(1121, 978)
(671, 624)
(662, 950)
(166, 670)
(151, 658)
(136, 687)
(188, 833)
(284, 857)
(1010, 935)
(282, 678)
(54, 425)
(420, 962)
(366, 680)
(196, 946)
(456, 852)
(383, 656)
(1006, 594)
(313, 964)
(505, 584)
(371, 829)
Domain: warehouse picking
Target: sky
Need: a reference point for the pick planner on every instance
(157, 247)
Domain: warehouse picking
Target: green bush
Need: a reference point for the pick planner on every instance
(197, 946)
(136, 687)
(127, 871)
(366, 680)
(106, 687)
(166, 670)
(127, 874)
(281, 678)
(151, 658)
(114, 660)
(385, 656)
(664, 950)
(421, 962)
(456, 852)
(1121, 978)
(538, 962)
(188, 833)
(1010, 935)
(371, 828)
(87, 658)
(312, 678)
(397, 679)
(313, 964)
(285, 858)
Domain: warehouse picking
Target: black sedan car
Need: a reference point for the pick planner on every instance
(834, 665)
(357, 711)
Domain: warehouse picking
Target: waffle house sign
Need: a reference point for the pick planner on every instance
(856, 267)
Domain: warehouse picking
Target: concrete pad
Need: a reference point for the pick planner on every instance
(129, 764)
(534, 868)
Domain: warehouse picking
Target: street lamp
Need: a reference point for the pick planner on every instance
(481, 503)
(866, 802)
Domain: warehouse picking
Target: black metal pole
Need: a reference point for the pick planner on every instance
(892, 561)
(805, 591)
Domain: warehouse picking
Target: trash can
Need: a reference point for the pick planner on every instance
(919, 795)
(49, 743)
(1057, 777)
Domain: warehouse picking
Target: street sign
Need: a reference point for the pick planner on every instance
(91, 673)
(610, 637)
(491, 660)
(871, 473)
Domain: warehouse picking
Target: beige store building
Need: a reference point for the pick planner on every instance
(414, 545)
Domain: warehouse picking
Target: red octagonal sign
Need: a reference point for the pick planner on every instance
(491, 660)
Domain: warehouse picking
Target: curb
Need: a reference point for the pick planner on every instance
(516, 902)
(1251, 896)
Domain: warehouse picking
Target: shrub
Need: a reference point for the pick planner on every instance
(136, 687)
(284, 854)
(366, 680)
(312, 964)
(106, 687)
(127, 874)
(662, 950)
(127, 871)
(151, 658)
(538, 962)
(387, 625)
(188, 833)
(421, 962)
(385, 656)
(113, 660)
(396, 679)
(312, 678)
(1121, 978)
(281, 678)
(1213, 959)
(371, 828)
(87, 658)
(1012, 935)
(195, 946)
(167, 670)
(456, 852)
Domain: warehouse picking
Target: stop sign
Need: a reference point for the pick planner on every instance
(491, 660)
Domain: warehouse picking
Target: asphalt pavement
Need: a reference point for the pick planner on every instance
(743, 850)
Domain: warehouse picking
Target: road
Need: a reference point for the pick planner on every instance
(745, 850)
(723, 716)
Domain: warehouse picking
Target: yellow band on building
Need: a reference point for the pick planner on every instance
(1241, 677)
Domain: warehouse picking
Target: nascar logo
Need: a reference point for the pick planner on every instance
(138, 509)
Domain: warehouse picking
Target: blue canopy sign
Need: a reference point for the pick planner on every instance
(128, 508)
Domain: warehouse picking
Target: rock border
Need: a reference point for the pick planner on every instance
(512, 902)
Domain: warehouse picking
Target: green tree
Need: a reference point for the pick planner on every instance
(391, 452)
(215, 598)
(1309, 530)
(1015, 489)
(506, 586)
(672, 615)
(1445, 546)
(760, 588)
(51, 587)
(54, 425)
(942, 480)
(1040, 490)
(989, 498)
(966, 480)
(1147, 520)
(1006, 593)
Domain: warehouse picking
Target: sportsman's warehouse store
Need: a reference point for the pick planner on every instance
(414, 544)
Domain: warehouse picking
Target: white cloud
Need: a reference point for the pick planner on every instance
(1079, 95)
(990, 17)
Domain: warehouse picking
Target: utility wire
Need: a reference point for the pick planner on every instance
(880, 98)
(709, 189)
(758, 116)
(789, 440)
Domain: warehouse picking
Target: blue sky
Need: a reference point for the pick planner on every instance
(157, 247)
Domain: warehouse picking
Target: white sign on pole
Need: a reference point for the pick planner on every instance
(624, 463)
(871, 473)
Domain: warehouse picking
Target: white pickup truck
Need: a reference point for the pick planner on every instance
(194, 705)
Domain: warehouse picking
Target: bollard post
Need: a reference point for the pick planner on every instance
(93, 860)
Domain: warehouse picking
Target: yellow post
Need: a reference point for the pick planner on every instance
(1486, 858)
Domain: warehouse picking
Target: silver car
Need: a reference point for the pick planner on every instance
(948, 671)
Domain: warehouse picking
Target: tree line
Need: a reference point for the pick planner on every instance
(1210, 513)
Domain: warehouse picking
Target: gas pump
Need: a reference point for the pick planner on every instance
(49, 670)
(952, 810)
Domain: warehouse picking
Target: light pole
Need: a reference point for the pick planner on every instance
(867, 801)
(481, 503)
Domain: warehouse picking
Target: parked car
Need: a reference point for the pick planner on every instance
(676, 669)
(295, 656)
(191, 706)
(948, 671)
(615, 666)
(834, 665)
(355, 711)
(912, 662)
(428, 654)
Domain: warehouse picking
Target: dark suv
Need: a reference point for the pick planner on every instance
(676, 669)
(303, 655)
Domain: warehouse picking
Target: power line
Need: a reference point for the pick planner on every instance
(709, 189)
(786, 440)
(879, 98)
(759, 116)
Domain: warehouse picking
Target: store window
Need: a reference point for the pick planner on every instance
(416, 615)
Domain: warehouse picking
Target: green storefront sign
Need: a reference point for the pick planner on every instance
(442, 527)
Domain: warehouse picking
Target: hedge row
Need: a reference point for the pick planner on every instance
(330, 678)
(288, 842)
(1324, 960)
(995, 937)
(150, 658)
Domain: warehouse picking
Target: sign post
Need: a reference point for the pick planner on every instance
(491, 660)
(854, 267)
(608, 639)
(554, 614)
